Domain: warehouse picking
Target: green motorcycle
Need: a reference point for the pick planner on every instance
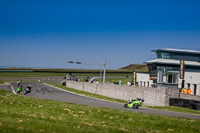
(19, 90)
(134, 103)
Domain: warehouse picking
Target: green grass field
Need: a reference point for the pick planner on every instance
(30, 74)
(24, 114)
(40, 74)
(49, 74)
(1, 82)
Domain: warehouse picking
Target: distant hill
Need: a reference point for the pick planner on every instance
(136, 67)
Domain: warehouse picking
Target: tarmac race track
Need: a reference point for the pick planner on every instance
(44, 91)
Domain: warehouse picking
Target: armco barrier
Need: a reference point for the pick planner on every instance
(153, 96)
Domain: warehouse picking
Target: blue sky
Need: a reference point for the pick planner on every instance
(48, 33)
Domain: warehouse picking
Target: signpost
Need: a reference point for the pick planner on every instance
(182, 73)
(134, 78)
(182, 69)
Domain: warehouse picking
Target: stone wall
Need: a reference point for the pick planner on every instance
(153, 96)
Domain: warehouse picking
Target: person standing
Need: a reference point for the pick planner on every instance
(189, 91)
(184, 91)
(120, 82)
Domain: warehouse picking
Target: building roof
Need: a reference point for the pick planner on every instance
(172, 62)
(177, 51)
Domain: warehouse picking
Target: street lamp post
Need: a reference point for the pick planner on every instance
(104, 74)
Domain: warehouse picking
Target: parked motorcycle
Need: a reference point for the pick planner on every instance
(134, 103)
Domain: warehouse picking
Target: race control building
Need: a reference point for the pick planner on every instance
(164, 71)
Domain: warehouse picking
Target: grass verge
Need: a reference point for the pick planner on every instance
(175, 109)
(24, 114)
(1, 82)
(166, 108)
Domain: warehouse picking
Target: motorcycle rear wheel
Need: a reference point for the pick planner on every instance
(126, 105)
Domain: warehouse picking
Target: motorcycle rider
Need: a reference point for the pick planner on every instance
(141, 100)
(19, 82)
(129, 101)
(137, 102)
(29, 88)
(19, 89)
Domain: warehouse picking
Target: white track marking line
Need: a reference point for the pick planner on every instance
(12, 89)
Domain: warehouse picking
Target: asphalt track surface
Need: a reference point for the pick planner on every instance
(43, 91)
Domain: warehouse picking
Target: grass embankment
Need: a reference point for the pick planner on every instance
(24, 114)
(166, 108)
(136, 67)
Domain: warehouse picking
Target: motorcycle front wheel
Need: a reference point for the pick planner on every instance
(134, 106)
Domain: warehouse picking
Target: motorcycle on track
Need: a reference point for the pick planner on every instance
(27, 90)
(19, 89)
(19, 83)
(134, 103)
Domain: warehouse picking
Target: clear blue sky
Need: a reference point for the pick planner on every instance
(48, 33)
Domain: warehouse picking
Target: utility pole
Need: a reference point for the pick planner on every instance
(104, 74)
(100, 73)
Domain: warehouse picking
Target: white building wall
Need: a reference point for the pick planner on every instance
(192, 79)
(143, 79)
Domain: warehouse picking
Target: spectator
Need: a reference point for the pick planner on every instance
(189, 91)
(184, 91)
(120, 82)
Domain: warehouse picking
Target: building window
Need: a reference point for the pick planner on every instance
(195, 89)
(165, 55)
(188, 85)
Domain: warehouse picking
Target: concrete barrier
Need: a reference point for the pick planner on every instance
(153, 96)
